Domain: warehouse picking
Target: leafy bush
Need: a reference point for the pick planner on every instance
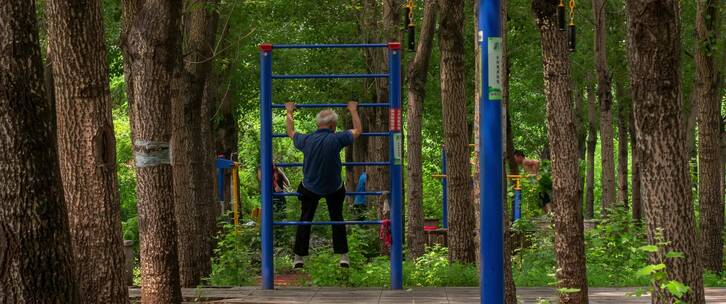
(236, 257)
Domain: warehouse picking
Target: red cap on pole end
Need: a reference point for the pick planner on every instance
(394, 46)
(266, 47)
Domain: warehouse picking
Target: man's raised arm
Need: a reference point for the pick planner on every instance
(357, 127)
(289, 122)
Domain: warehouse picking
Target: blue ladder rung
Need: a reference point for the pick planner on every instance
(329, 76)
(329, 46)
(376, 222)
(365, 134)
(348, 164)
(331, 105)
(370, 193)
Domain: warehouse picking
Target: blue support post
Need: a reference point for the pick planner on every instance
(395, 159)
(268, 265)
(445, 189)
(491, 223)
(220, 185)
(517, 205)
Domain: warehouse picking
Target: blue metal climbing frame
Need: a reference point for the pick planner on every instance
(394, 162)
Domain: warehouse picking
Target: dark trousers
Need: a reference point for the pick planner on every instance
(309, 202)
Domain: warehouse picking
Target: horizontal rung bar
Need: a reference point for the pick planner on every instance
(328, 223)
(348, 164)
(365, 134)
(371, 193)
(328, 76)
(331, 105)
(329, 46)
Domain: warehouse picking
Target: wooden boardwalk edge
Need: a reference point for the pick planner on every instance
(424, 295)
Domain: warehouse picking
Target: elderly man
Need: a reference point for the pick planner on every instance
(321, 170)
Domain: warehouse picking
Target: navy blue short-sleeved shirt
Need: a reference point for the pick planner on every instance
(322, 166)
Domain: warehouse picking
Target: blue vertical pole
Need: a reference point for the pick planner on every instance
(517, 206)
(491, 221)
(445, 190)
(220, 184)
(395, 158)
(268, 265)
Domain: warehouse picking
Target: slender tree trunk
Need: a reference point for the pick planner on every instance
(417, 75)
(654, 61)
(569, 235)
(193, 191)
(87, 148)
(635, 173)
(510, 289)
(36, 261)
(453, 99)
(152, 45)
(606, 102)
(591, 145)
(623, 122)
(708, 84)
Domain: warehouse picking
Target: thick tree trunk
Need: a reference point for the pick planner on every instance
(193, 190)
(417, 75)
(36, 261)
(378, 117)
(607, 154)
(591, 145)
(152, 45)
(623, 127)
(637, 202)
(569, 235)
(87, 148)
(708, 84)
(654, 61)
(453, 99)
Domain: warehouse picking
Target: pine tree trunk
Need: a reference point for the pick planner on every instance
(607, 153)
(87, 148)
(152, 44)
(417, 75)
(654, 61)
(623, 119)
(708, 84)
(510, 289)
(36, 261)
(637, 205)
(569, 235)
(193, 190)
(591, 145)
(453, 99)
(378, 117)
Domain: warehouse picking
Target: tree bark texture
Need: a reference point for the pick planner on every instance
(708, 84)
(607, 151)
(623, 127)
(654, 61)
(510, 289)
(453, 99)
(193, 181)
(566, 186)
(36, 258)
(87, 148)
(385, 29)
(591, 145)
(152, 45)
(417, 76)
(637, 202)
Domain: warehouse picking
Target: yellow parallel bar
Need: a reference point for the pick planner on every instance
(438, 175)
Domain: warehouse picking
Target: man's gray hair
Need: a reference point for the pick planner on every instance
(326, 117)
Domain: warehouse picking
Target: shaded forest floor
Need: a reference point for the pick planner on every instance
(290, 295)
